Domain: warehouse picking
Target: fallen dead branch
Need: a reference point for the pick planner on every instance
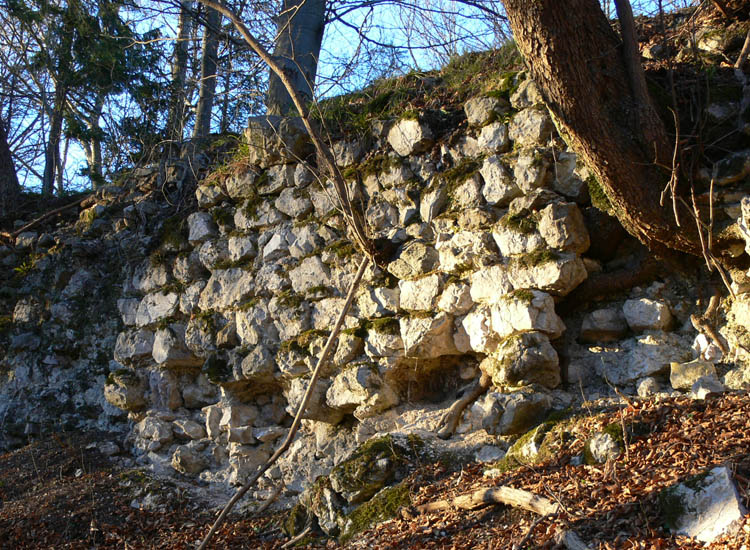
(12, 236)
(518, 498)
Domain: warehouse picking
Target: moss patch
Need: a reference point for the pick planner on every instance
(385, 325)
(522, 222)
(599, 198)
(383, 506)
(536, 257)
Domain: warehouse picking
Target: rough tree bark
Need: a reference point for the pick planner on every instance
(594, 86)
(208, 74)
(300, 27)
(9, 187)
(176, 117)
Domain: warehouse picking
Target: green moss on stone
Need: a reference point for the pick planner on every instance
(385, 325)
(536, 257)
(342, 249)
(522, 222)
(383, 506)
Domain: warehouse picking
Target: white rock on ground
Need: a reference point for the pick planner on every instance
(705, 507)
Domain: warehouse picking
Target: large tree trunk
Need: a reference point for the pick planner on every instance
(299, 36)
(208, 75)
(9, 187)
(594, 87)
(176, 117)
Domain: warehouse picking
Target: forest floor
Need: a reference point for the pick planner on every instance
(61, 492)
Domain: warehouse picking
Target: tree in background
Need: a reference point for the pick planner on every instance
(9, 188)
(299, 36)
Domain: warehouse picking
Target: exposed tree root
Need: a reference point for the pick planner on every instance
(705, 323)
(449, 421)
(604, 284)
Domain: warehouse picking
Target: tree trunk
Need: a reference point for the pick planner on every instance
(208, 75)
(593, 86)
(9, 187)
(52, 152)
(93, 148)
(176, 117)
(299, 36)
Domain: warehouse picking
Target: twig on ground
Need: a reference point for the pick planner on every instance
(294, 540)
(520, 544)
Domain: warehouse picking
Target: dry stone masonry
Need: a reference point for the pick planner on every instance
(196, 333)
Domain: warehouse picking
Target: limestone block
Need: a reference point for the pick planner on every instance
(645, 314)
(146, 278)
(490, 284)
(188, 429)
(682, 376)
(187, 461)
(562, 226)
(467, 249)
(456, 299)
(525, 310)
(361, 390)
(208, 196)
(499, 188)
(555, 273)
(494, 138)
(188, 268)
(644, 355)
(433, 199)
(311, 272)
(293, 203)
(414, 258)
(526, 94)
(213, 253)
(201, 227)
(478, 327)
(428, 337)
(242, 186)
(317, 408)
(531, 170)
(170, 350)
(125, 390)
(420, 294)
(134, 345)
(603, 325)
(524, 358)
(481, 110)
(379, 302)
(241, 247)
(155, 307)
(531, 126)
(226, 288)
(513, 237)
(409, 137)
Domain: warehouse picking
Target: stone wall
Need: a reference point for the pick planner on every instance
(202, 328)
